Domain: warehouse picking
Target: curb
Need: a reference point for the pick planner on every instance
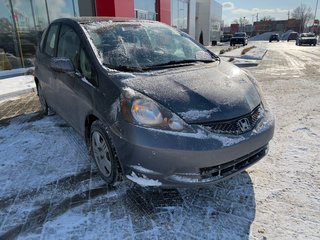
(15, 73)
(18, 93)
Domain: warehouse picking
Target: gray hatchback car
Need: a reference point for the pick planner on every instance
(152, 104)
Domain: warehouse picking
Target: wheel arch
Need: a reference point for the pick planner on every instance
(90, 119)
(87, 127)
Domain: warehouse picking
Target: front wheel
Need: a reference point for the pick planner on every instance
(103, 153)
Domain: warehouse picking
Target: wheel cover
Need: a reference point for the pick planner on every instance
(101, 153)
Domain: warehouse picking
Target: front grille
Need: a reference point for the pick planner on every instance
(239, 164)
(235, 126)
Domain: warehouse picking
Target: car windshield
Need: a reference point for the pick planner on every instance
(143, 45)
(239, 35)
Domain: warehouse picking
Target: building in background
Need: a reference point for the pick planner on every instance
(23, 21)
(234, 27)
(279, 26)
(21, 25)
(201, 19)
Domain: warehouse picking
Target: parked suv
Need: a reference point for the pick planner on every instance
(239, 38)
(160, 111)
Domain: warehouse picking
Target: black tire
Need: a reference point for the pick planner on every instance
(103, 153)
(42, 99)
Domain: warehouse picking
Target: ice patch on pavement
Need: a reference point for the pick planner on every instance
(143, 181)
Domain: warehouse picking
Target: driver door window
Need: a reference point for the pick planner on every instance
(69, 45)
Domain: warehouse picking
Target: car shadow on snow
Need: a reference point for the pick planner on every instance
(224, 210)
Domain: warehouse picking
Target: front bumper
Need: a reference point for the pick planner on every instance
(238, 41)
(153, 157)
(308, 42)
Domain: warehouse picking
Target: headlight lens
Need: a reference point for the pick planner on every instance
(146, 112)
(141, 110)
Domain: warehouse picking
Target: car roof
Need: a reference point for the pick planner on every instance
(84, 20)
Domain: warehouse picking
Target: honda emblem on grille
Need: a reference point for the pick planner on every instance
(244, 124)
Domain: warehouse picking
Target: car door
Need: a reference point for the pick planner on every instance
(76, 88)
(43, 69)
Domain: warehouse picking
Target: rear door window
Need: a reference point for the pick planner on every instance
(51, 40)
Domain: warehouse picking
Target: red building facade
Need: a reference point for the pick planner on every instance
(126, 8)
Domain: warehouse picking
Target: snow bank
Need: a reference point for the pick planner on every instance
(15, 86)
(262, 37)
(266, 36)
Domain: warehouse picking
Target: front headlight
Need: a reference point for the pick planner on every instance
(146, 112)
(142, 110)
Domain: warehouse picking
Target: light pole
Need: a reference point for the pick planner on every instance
(315, 15)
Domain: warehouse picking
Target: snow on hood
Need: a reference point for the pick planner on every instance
(199, 93)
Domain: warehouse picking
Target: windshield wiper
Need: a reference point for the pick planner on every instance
(174, 63)
(123, 68)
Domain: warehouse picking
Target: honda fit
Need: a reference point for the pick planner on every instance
(152, 104)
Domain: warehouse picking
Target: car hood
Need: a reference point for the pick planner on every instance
(198, 93)
(308, 38)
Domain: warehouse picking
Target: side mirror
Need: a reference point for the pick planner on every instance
(63, 65)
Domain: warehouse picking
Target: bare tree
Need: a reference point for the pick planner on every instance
(236, 21)
(267, 18)
(241, 21)
(304, 14)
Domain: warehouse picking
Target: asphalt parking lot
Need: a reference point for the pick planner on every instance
(50, 189)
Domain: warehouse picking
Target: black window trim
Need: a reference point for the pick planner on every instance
(56, 40)
(96, 85)
(82, 46)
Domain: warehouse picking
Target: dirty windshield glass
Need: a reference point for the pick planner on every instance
(137, 46)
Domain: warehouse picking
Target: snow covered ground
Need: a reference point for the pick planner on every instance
(16, 86)
(266, 36)
(50, 190)
(251, 58)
